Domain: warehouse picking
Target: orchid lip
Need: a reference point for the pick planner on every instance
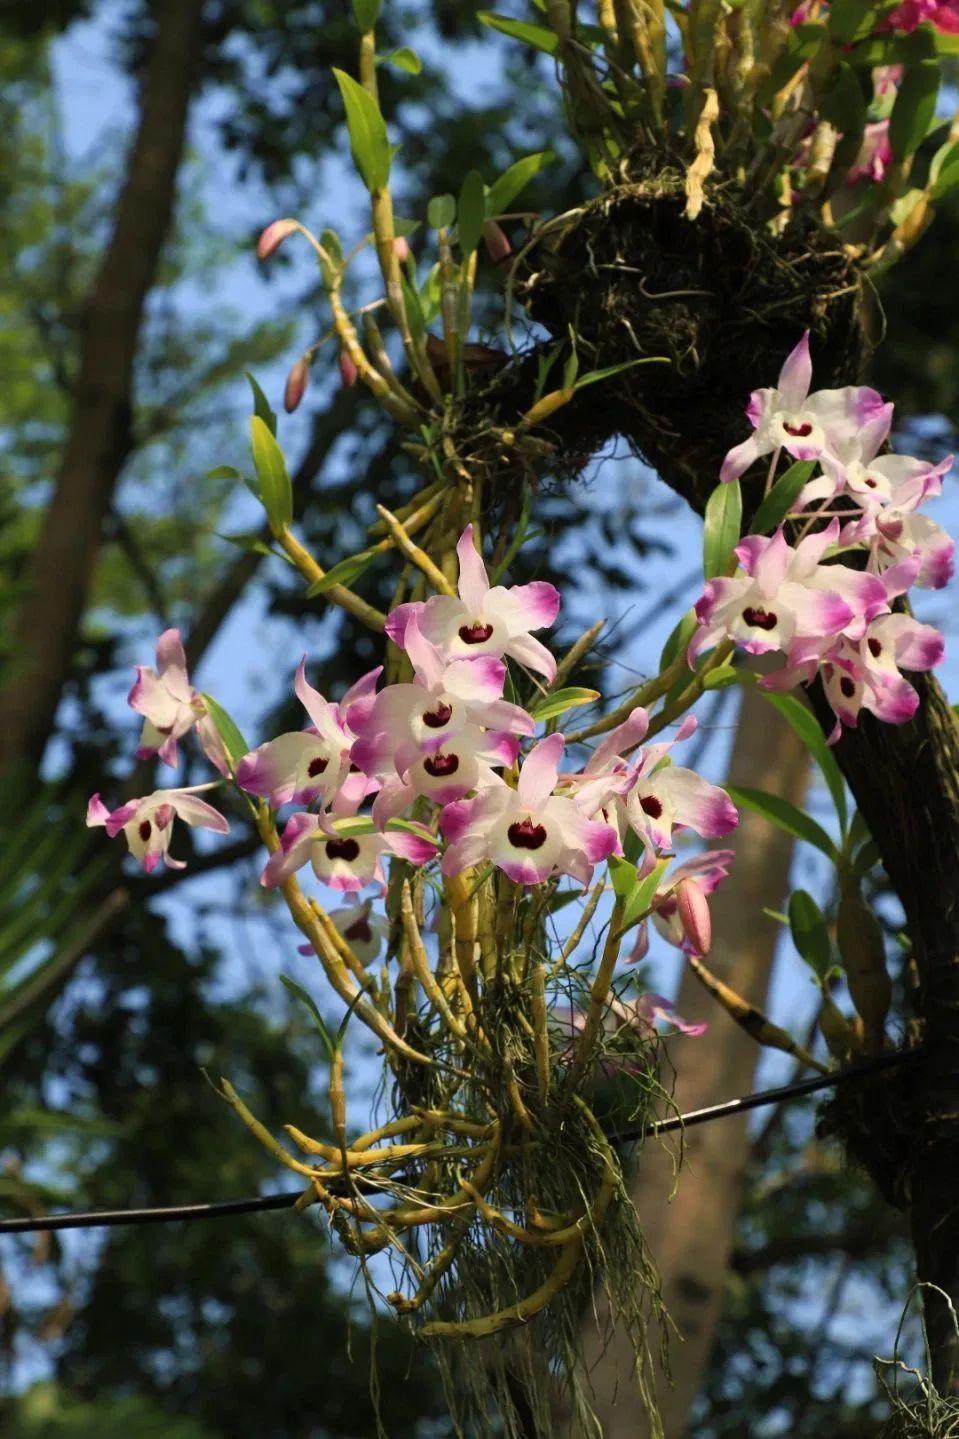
(436, 719)
(346, 849)
(526, 834)
(360, 929)
(759, 618)
(650, 805)
(316, 766)
(145, 830)
(476, 634)
(440, 765)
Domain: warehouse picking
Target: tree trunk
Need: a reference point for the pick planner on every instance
(691, 1237)
(99, 439)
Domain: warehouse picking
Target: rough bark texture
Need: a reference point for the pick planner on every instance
(99, 439)
(691, 1237)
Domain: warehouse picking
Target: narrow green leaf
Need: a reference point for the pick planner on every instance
(236, 745)
(638, 903)
(276, 491)
(536, 35)
(722, 526)
(944, 170)
(915, 108)
(261, 407)
(784, 816)
(223, 472)
(503, 191)
(354, 826)
(852, 20)
(844, 106)
(810, 936)
(719, 679)
(309, 1003)
(557, 704)
(781, 497)
(441, 212)
(471, 211)
(369, 141)
(866, 859)
(344, 573)
(682, 632)
(804, 41)
(806, 726)
(250, 541)
(366, 13)
(403, 59)
(593, 377)
(623, 876)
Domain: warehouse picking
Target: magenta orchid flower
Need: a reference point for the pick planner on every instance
(664, 797)
(364, 932)
(343, 862)
(643, 1014)
(306, 765)
(900, 535)
(148, 822)
(943, 15)
(874, 156)
(483, 621)
(867, 675)
(465, 763)
(406, 721)
(788, 600)
(530, 833)
(804, 425)
(706, 871)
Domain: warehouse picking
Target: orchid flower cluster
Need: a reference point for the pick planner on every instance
(438, 761)
(824, 616)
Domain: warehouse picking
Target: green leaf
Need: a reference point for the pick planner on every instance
(251, 541)
(366, 13)
(503, 191)
(557, 704)
(781, 497)
(236, 745)
(441, 212)
(915, 108)
(309, 1002)
(623, 876)
(719, 678)
(471, 211)
(810, 936)
(844, 106)
(784, 816)
(344, 573)
(682, 632)
(275, 489)
(806, 726)
(852, 20)
(403, 59)
(721, 527)
(354, 825)
(223, 472)
(866, 859)
(592, 377)
(369, 142)
(261, 407)
(536, 35)
(944, 170)
(639, 901)
(804, 40)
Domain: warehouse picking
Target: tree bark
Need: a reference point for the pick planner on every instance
(99, 438)
(691, 1237)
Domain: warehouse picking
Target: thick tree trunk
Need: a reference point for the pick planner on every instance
(691, 1237)
(99, 439)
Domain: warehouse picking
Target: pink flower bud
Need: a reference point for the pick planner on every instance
(349, 374)
(694, 915)
(296, 382)
(497, 244)
(273, 237)
(401, 248)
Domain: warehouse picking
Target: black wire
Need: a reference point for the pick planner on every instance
(111, 1218)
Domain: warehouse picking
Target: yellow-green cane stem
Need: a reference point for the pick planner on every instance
(645, 695)
(382, 362)
(384, 235)
(576, 653)
(540, 1031)
(337, 1098)
(421, 969)
(400, 408)
(261, 1133)
(336, 594)
(688, 697)
(516, 1314)
(413, 553)
(598, 1000)
(432, 491)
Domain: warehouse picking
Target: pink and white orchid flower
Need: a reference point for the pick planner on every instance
(789, 601)
(343, 862)
(706, 871)
(406, 721)
(148, 822)
(483, 621)
(804, 425)
(530, 833)
(465, 763)
(643, 1014)
(306, 765)
(364, 932)
(171, 707)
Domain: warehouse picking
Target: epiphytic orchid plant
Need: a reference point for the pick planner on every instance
(435, 818)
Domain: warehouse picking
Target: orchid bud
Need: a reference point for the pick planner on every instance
(497, 244)
(273, 237)
(349, 374)
(401, 248)
(694, 916)
(296, 382)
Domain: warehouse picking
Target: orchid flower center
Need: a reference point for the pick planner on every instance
(847, 686)
(145, 829)
(360, 928)
(436, 719)
(346, 849)
(439, 765)
(799, 431)
(526, 834)
(759, 618)
(652, 806)
(316, 766)
(475, 634)
(875, 648)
